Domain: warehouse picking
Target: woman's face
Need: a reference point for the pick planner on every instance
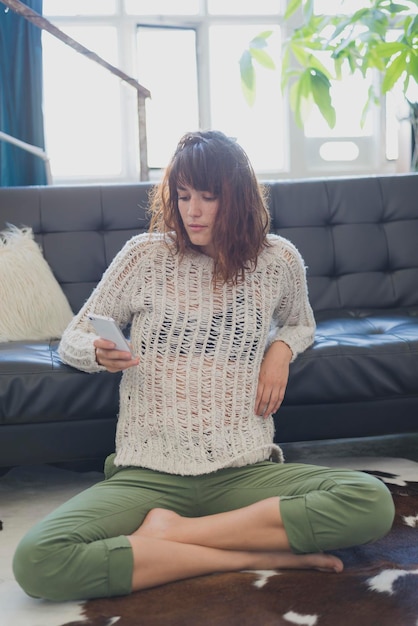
(198, 211)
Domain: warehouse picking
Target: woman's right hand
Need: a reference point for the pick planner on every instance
(111, 359)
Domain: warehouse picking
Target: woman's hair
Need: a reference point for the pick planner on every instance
(210, 161)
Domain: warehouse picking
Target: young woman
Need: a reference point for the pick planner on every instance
(218, 309)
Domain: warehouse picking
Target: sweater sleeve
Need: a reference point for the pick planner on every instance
(293, 319)
(111, 298)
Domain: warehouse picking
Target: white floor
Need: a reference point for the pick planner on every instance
(29, 493)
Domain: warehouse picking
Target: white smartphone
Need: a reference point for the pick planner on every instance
(107, 328)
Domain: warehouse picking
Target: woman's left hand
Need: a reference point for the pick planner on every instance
(273, 377)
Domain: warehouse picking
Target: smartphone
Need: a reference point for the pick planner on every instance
(107, 328)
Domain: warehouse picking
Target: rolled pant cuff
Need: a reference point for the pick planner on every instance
(121, 564)
(293, 510)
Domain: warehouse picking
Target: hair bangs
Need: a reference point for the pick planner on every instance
(196, 167)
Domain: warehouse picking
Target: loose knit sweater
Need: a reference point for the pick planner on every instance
(188, 408)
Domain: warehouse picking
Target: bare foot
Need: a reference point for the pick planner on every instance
(158, 523)
(162, 524)
(318, 561)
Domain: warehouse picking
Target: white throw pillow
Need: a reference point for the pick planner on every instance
(32, 303)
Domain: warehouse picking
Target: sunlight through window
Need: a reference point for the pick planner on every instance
(82, 105)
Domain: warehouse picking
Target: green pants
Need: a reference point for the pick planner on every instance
(81, 550)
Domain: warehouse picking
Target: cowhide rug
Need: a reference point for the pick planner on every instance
(379, 587)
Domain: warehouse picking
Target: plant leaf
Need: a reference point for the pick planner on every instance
(372, 98)
(248, 81)
(292, 6)
(388, 49)
(247, 69)
(308, 10)
(300, 98)
(394, 7)
(263, 58)
(340, 25)
(412, 30)
(249, 94)
(394, 71)
(320, 87)
(375, 60)
(413, 66)
(377, 22)
(299, 52)
(260, 40)
(360, 40)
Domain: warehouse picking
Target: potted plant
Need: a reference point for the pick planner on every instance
(382, 37)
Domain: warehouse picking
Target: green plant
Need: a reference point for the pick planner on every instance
(358, 42)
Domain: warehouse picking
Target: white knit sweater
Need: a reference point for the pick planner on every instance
(188, 407)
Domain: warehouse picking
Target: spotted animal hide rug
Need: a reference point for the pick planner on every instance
(378, 587)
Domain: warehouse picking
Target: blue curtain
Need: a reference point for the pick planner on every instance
(21, 97)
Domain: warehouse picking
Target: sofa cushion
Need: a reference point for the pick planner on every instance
(358, 357)
(36, 387)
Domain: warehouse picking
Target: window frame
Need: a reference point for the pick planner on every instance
(298, 160)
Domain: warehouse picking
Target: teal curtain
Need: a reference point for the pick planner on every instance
(21, 97)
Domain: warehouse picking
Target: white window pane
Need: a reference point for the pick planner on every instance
(333, 7)
(259, 129)
(82, 105)
(243, 7)
(79, 7)
(161, 7)
(167, 67)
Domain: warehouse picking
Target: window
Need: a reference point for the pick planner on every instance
(349, 143)
(187, 54)
(172, 80)
(161, 7)
(243, 7)
(79, 7)
(259, 129)
(82, 106)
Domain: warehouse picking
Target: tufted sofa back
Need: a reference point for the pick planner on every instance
(358, 236)
(80, 228)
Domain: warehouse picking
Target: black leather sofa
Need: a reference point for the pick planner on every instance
(359, 239)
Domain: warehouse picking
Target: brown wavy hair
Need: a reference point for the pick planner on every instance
(210, 161)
